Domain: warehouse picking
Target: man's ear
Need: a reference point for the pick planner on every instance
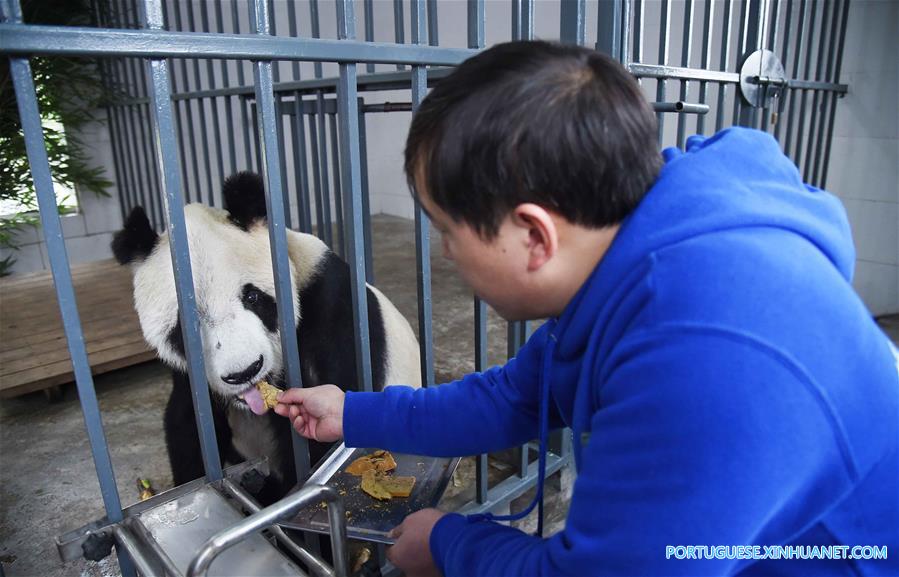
(542, 234)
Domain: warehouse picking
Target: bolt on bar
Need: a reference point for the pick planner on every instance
(348, 116)
(29, 114)
(270, 157)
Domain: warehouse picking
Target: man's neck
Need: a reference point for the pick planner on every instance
(581, 249)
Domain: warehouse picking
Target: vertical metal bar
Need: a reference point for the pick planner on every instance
(26, 100)
(299, 151)
(246, 125)
(527, 19)
(186, 130)
(833, 101)
(480, 365)
(129, 155)
(800, 131)
(174, 202)
(282, 147)
(708, 22)
(639, 7)
(432, 23)
(369, 8)
(686, 53)
(235, 18)
(214, 108)
(152, 169)
(516, 19)
(573, 24)
(608, 28)
(228, 100)
(476, 23)
(273, 24)
(348, 114)
(772, 46)
(316, 171)
(277, 231)
(366, 206)
(791, 117)
(725, 57)
(399, 27)
(814, 135)
(783, 58)
(294, 32)
(422, 224)
(316, 31)
(664, 30)
(625, 31)
(325, 231)
(201, 112)
(338, 191)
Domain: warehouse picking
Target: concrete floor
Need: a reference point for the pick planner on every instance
(47, 477)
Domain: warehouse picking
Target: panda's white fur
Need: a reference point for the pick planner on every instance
(226, 255)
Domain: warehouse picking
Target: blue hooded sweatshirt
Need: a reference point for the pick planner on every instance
(729, 386)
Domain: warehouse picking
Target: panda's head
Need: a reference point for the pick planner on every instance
(234, 286)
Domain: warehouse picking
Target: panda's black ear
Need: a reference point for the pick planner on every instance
(136, 240)
(244, 195)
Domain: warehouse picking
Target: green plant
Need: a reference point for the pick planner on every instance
(69, 91)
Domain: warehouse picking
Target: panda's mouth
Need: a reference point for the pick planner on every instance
(252, 398)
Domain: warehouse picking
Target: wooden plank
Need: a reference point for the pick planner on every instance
(33, 349)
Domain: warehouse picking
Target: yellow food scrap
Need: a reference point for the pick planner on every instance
(269, 394)
(145, 489)
(378, 461)
(383, 487)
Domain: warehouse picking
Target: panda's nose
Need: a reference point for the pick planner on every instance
(246, 375)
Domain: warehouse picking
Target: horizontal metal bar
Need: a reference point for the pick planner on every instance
(79, 41)
(681, 106)
(812, 85)
(662, 72)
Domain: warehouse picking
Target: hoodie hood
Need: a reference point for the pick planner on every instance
(738, 178)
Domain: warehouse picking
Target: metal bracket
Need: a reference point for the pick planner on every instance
(762, 79)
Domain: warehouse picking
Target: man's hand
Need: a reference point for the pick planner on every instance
(316, 413)
(412, 551)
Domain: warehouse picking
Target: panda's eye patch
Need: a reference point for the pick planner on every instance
(262, 304)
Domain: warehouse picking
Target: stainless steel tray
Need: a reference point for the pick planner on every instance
(367, 518)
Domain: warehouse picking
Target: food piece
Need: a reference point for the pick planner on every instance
(371, 485)
(269, 394)
(362, 559)
(145, 489)
(384, 487)
(378, 461)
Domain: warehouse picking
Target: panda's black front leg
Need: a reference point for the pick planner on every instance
(181, 437)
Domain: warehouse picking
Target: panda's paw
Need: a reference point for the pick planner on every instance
(253, 481)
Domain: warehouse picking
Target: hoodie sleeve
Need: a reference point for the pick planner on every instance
(481, 412)
(700, 439)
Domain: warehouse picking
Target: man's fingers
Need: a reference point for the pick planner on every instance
(293, 395)
(294, 412)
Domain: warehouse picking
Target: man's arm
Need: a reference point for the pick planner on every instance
(481, 412)
(700, 439)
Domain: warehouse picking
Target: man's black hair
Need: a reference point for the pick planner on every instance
(560, 126)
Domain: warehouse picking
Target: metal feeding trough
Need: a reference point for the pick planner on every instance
(218, 529)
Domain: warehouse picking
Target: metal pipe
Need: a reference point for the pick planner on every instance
(639, 7)
(800, 130)
(723, 65)
(324, 227)
(199, 565)
(201, 111)
(316, 32)
(682, 107)
(399, 26)
(180, 253)
(836, 78)
(572, 22)
(783, 58)
(369, 9)
(422, 224)
(708, 23)
(686, 53)
(480, 365)
(312, 561)
(299, 161)
(797, 60)
(815, 131)
(282, 147)
(334, 162)
(125, 541)
(475, 10)
(664, 28)
(316, 173)
(366, 202)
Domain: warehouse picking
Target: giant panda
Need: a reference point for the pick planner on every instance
(235, 297)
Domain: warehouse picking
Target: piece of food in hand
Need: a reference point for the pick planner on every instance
(261, 397)
(384, 487)
(378, 461)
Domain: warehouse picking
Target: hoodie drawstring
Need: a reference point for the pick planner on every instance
(548, 353)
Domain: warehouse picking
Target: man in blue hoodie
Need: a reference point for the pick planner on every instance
(733, 404)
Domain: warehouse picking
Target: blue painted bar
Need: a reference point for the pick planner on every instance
(422, 225)
(325, 231)
(476, 24)
(299, 150)
(369, 8)
(366, 206)
(279, 124)
(316, 31)
(82, 41)
(399, 26)
(573, 22)
(167, 160)
(338, 191)
(348, 114)
(29, 114)
(316, 173)
(270, 161)
(432, 23)
(294, 32)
